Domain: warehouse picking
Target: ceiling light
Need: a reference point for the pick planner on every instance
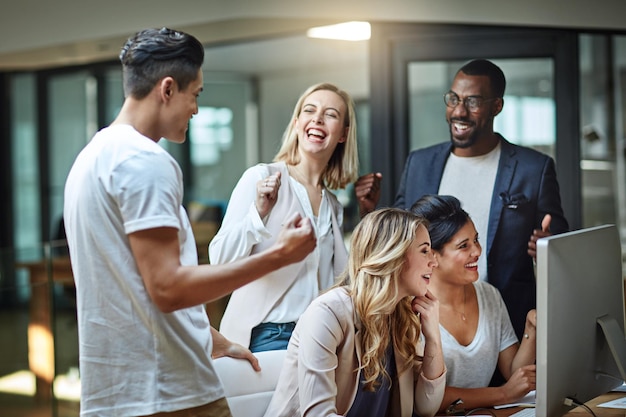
(348, 31)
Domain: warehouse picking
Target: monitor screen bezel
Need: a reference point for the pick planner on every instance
(579, 280)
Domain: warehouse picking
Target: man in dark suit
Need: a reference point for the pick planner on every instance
(511, 192)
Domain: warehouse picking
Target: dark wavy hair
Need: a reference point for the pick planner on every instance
(445, 217)
(483, 67)
(152, 54)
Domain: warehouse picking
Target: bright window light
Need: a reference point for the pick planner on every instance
(348, 31)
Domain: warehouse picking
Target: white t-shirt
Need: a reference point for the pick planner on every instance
(472, 366)
(134, 359)
(471, 180)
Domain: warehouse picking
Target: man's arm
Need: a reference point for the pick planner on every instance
(538, 234)
(549, 209)
(172, 286)
(224, 347)
(367, 191)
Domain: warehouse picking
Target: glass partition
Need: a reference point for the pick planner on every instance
(527, 118)
(619, 112)
(72, 118)
(39, 367)
(603, 117)
(26, 197)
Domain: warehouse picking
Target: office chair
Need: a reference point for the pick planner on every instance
(249, 392)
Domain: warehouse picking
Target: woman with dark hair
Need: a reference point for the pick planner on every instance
(476, 331)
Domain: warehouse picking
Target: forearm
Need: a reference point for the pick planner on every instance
(433, 365)
(193, 285)
(172, 286)
(428, 395)
(431, 381)
(220, 343)
(473, 398)
(527, 353)
(364, 210)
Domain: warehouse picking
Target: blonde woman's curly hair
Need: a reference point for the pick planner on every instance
(343, 167)
(377, 256)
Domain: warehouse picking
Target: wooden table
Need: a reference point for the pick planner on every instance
(42, 275)
(578, 411)
(600, 411)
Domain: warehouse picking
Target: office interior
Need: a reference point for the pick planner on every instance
(60, 81)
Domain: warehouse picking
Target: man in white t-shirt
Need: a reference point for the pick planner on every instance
(145, 341)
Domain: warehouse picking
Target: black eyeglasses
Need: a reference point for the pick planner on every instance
(471, 103)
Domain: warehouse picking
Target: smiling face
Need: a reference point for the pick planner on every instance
(458, 258)
(468, 128)
(182, 105)
(418, 266)
(321, 124)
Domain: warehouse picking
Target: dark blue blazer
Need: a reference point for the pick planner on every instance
(526, 189)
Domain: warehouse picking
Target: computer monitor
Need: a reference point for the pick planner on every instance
(581, 348)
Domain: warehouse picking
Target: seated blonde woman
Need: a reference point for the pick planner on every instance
(476, 330)
(356, 350)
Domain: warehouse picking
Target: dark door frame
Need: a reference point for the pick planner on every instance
(394, 46)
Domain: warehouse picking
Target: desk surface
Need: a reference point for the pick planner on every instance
(579, 411)
(600, 411)
(575, 412)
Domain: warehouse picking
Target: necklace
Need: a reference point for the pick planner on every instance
(462, 313)
(464, 301)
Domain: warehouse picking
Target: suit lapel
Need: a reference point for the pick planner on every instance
(436, 167)
(504, 177)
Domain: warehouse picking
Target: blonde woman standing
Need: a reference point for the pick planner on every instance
(318, 153)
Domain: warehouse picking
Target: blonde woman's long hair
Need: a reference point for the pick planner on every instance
(377, 255)
(343, 166)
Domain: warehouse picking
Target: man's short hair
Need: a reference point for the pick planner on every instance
(152, 54)
(483, 67)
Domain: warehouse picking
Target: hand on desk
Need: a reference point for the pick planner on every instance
(520, 383)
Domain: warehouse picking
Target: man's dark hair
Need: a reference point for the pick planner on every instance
(482, 67)
(152, 54)
(445, 217)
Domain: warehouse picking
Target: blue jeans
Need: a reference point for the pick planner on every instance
(271, 336)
